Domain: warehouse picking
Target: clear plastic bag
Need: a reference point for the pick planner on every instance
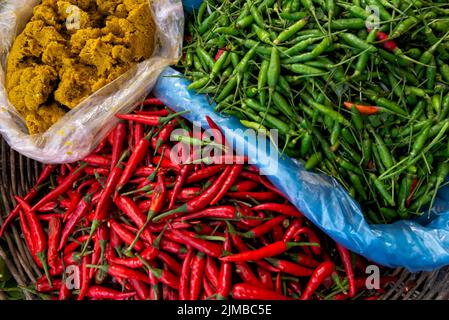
(77, 133)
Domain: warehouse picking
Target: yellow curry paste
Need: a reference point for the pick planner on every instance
(72, 48)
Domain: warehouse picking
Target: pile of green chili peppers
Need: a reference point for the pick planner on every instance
(292, 65)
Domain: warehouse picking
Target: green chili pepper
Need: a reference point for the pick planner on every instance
(380, 187)
(304, 69)
(356, 118)
(349, 24)
(291, 31)
(389, 213)
(255, 105)
(384, 152)
(389, 105)
(314, 160)
(277, 123)
(262, 34)
(274, 70)
(205, 58)
(306, 144)
(335, 134)
(420, 141)
(383, 13)
(282, 104)
(208, 22)
(403, 27)
(199, 83)
(363, 59)
(356, 42)
(227, 89)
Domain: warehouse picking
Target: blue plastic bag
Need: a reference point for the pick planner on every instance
(415, 245)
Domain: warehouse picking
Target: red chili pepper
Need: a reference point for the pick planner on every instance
(149, 120)
(268, 251)
(156, 113)
(242, 186)
(246, 274)
(209, 248)
(208, 290)
(103, 293)
(97, 160)
(49, 207)
(81, 210)
(284, 209)
(38, 236)
(170, 262)
(186, 194)
(158, 197)
(136, 157)
(166, 163)
(290, 267)
(118, 136)
(62, 188)
(292, 229)
(364, 110)
(242, 247)
(201, 201)
(278, 283)
(347, 264)
(184, 293)
(64, 292)
(130, 209)
(138, 133)
(263, 228)
(43, 286)
(311, 235)
(265, 278)
(165, 277)
(15, 212)
(389, 45)
(72, 246)
(101, 242)
(258, 196)
(179, 182)
(54, 234)
(116, 270)
(91, 171)
(85, 278)
(164, 135)
(27, 235)
(227, 184)
(304, 260)
(205, 173)
(101, 146)
(126, 235)
(153, 102)
(46, 172)
(255, 176)
(212, 272)
(219, 212)
(219, 53)
(149, 254)
(172, 247)
(323, 271)
(142, 291)
(196, 275)
(246, 291)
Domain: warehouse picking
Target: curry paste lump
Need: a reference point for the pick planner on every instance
(72, 48)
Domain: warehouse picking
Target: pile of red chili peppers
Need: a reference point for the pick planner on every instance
(131, 224)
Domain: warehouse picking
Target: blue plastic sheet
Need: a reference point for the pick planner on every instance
(416, 245)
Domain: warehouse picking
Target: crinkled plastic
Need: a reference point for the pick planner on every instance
(415, 245)
(76, 134)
